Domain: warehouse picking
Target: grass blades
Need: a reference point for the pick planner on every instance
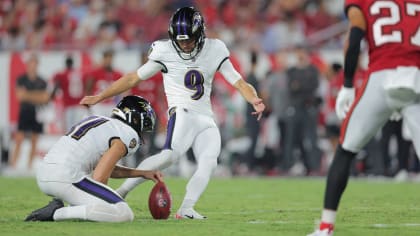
(238, 206)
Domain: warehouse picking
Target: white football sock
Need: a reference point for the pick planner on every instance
(71, 212)
(195, 188)
(197, 184)
(188, 203)
(328, 216)
(118, 212)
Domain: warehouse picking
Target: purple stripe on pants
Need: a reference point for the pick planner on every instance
(170, 132)
(98, 191)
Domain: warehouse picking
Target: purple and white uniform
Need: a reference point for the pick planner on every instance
(188, 85)
(66, 169)
(191, 124)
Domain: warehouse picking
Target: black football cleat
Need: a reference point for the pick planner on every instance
(47, 212)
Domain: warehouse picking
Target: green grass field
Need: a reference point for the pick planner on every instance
(239, 206)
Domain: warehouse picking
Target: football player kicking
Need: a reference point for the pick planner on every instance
(188, 62)
(392, 31)
(77, 168)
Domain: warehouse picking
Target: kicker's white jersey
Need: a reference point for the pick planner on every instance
(188, 83)
(78, 152)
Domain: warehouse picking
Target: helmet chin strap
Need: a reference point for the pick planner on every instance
(190, 54)
(184, 55)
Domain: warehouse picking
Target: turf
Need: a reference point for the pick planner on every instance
(239, 206)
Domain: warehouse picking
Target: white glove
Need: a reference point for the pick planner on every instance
(344, 100)
(395, 116)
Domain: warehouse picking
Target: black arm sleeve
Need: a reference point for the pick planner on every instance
(352, 55)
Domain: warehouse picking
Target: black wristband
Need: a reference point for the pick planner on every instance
(351, 58)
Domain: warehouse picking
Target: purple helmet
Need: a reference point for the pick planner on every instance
(187, 23)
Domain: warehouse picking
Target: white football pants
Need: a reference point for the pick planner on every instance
(383, 93)
(185, 129)
(88, 199)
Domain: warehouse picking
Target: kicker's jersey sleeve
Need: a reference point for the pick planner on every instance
(82, 147)
(188, 83)
(393, 32)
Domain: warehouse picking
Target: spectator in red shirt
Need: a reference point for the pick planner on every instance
(70, 81)
(100, 78)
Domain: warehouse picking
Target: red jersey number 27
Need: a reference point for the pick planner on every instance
(395, 36)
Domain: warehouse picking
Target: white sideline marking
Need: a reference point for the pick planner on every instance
(396, 225)
(374, 225)
(412, 224)
(266, 211)
(380, 225)
(267, 222)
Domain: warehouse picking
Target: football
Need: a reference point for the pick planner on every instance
(160, 201)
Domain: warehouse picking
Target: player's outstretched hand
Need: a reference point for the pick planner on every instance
(344, 100)
(154, 175)
(259, 108)
(90, 100)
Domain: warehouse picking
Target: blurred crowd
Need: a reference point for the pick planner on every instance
(299, 131)
(134, 24)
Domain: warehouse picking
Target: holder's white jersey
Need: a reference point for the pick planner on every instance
(188, 83)
(79, 151)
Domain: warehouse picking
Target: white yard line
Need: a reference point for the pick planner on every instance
(396, 225)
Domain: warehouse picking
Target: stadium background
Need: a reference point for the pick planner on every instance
(85, 28)
(251, 206)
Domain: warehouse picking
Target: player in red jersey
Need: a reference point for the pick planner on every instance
(99, 79)
(392, 31)
(70, 81)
